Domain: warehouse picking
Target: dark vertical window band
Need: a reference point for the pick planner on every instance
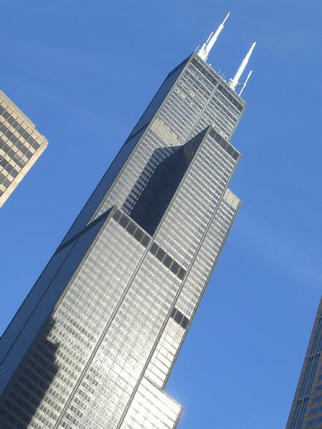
(126, 222)
(180, 318)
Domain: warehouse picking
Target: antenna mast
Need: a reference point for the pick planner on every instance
(206, 47)
(245, 83)
(234, 82)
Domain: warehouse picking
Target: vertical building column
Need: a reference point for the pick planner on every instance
(306, 408)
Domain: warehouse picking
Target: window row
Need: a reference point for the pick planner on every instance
(230, 98)
(144, 239)
(180, 318)
(203, 71)
(125, 221)
(224, 144)
(21, 130)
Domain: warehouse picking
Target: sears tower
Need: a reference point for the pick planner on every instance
(94, 342)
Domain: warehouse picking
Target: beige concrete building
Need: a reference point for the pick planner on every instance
(20, 146)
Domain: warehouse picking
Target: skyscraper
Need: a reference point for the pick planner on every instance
(20, 146)
(94, 342)
(306, 411)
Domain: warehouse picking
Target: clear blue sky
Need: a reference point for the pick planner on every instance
(84, 71)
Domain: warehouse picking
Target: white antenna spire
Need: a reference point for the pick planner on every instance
(245, 83)
(206, 47)
(209, 36)
(234, 82)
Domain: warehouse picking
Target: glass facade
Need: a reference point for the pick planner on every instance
(306, 411)
(20, 146)
(95, 340)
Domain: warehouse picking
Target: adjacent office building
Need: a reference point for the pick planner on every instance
(20, 146)
(306, 411)
(94, 342)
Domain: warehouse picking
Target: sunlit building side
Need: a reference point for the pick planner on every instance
(20, 146)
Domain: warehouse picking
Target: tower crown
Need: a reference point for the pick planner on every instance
(205, 49)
